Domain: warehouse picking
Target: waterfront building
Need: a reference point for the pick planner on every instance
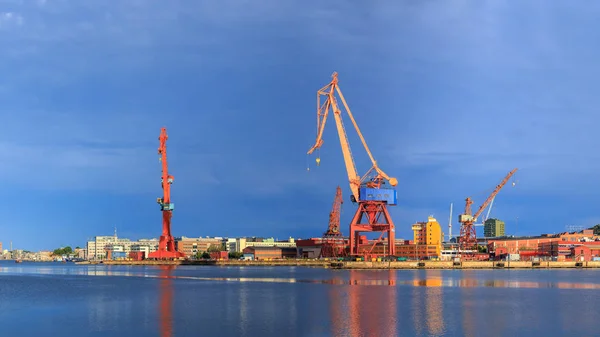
(97, 248)
(239, 244)
(192, 246)
(428, 234)
(493, 228)
(80, 253)
(530, 244)
(268, 253)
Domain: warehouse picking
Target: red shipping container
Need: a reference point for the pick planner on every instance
(137, 256)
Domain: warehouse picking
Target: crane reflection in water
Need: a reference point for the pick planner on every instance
(165, 305)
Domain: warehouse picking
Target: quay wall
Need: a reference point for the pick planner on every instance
(371, 265)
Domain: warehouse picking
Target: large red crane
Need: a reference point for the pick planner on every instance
(166, 245)
(333, 242)
(468, 235)
(369, 191)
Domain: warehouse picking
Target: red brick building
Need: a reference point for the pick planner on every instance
(571, 250)
(528, 245)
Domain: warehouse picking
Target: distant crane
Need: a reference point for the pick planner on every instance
(450, 224)
(468, 235)
(369, 190)
(166, 244)
(333, 242)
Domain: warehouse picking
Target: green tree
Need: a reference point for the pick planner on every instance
(235, 255)
(215, 248)
(205, 255)
(596, 229)
(63, 251)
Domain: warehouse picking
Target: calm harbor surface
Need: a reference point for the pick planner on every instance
(38, 299)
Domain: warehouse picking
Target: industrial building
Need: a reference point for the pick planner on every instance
(515, 245)
(564, 246)
(309, 248)
(268, 253)
(493, 228)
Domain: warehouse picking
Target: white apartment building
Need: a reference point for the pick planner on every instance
(96, 248)
(238, 244)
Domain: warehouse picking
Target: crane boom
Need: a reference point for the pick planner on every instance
(493, 195)
(468, 235)
(322, 113)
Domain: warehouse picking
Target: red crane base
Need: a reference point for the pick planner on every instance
(333, 246)
(468, 238)
(166, 249)
(378, 220)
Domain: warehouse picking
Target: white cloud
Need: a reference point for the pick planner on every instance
(10, 19)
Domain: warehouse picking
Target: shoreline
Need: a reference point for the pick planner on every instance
(364, 265)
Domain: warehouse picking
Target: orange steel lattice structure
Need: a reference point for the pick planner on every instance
(369, 190)
(166, 245)
(468, 235)
(333, 243)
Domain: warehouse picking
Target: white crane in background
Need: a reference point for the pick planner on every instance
(487, 216)
(450, 224)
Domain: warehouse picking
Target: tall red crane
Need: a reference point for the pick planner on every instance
(166, 245)
(468, 235)
(333, 242)
(370, 190)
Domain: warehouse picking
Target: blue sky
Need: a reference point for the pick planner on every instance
(450, 95)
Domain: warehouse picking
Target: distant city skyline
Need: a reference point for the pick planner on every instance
(449, 99)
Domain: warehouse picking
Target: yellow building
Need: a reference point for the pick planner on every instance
(429, 233)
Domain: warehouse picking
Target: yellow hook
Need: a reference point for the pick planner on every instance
(318, 161)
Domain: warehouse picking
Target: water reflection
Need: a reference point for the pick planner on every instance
(372, 311)
(165, 305)
(434, 303)
(427, 304)
(357, 278)
(468, 305)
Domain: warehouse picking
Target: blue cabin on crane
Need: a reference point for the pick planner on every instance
(388, 195)
(164, 206)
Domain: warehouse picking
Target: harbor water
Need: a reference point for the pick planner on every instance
(42, 299)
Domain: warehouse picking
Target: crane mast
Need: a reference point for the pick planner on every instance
(369, 190)
(334, 215)
(468, 235)
(166, 244)
(332, 243)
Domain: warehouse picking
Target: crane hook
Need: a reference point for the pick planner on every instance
(318, 160)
